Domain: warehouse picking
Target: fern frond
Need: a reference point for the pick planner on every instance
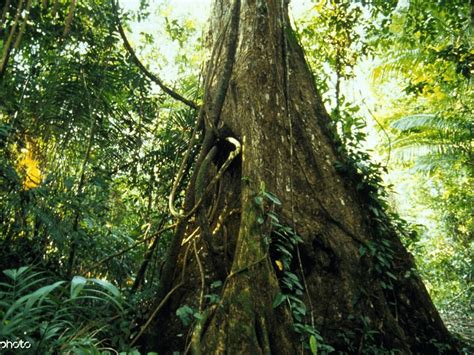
(398, 64)
(429, 163)
(427, 121)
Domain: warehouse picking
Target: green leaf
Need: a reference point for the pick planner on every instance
(272, 198)
(107, 286)
(185, 313)
(273, 217)
(216, 284)
(30, 299)
(293, 277)
(77, 284)
(300, 309)
(391, 275)
(14, 273)
(39, 294)
(296, 239)
(197, 315)
(279, 300)
(313, 345)
(213, 298)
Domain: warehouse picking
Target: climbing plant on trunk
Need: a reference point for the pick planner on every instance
(280, 243)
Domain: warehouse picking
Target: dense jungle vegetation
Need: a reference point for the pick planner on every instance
(98, 108)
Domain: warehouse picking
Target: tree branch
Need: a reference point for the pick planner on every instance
(145, 71)
(70, 16)
(8, 43)
(5, 11)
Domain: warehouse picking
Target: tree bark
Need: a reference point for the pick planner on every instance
(271, 106)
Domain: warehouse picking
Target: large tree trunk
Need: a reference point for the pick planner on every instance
(270, 105)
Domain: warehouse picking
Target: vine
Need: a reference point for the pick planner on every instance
(282, 243)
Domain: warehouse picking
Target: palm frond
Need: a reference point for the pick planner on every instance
(427, 121)
(397, 64)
